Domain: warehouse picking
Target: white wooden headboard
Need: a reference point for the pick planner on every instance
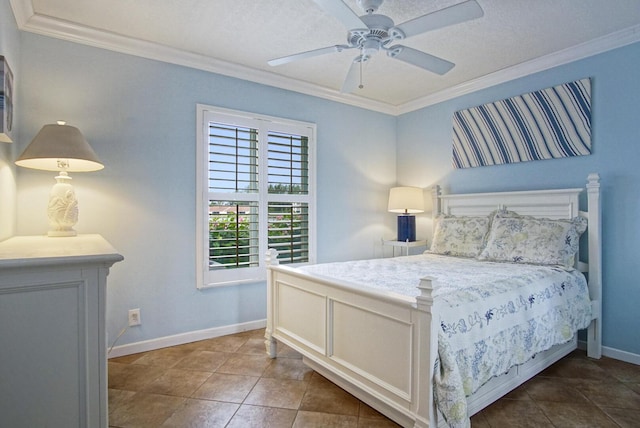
(553, 204)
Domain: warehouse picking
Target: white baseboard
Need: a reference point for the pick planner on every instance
(180, 339)
(210, 333)
(616, 354)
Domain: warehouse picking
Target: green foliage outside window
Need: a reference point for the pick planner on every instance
(230, 242)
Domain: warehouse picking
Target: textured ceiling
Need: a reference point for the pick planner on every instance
(245, 34)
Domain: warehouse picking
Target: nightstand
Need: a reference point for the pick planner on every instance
(404, 244)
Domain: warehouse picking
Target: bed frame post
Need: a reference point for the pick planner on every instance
(271, 259)
(426, 344)
(436, 203)
(594, 332)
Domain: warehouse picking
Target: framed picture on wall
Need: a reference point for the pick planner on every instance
(6, 101)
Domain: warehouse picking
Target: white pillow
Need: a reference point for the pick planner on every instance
(460, 236)
(525, 239)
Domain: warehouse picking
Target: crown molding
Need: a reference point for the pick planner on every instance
(27, 20)
(606, 43)
(43, 25)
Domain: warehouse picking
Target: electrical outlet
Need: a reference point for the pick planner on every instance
(134, 317)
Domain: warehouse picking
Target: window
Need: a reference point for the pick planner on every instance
(255, 181)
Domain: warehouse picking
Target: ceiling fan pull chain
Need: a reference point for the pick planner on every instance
(360, 86)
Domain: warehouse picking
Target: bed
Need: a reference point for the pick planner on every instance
(391, 348)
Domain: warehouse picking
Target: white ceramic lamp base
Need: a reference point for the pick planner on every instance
(63, 207)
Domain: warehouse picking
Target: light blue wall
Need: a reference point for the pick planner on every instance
(424, 156)
(10, 49)
(140, 117)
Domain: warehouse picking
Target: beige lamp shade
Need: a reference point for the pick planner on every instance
(407, 200)
(60, 147)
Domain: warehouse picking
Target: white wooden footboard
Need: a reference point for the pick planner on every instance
(368, 343)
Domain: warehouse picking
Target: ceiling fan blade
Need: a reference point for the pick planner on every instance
(343, 12)
(455, 14)
(307, 54)
(352, 80)
(420, 59)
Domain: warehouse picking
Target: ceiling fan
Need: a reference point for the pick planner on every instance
(371, 33)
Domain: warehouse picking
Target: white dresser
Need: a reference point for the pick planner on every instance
(53, 362)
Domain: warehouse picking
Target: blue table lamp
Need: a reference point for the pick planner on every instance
(406, 201)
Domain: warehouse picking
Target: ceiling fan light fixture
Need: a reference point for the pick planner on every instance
(370, 47)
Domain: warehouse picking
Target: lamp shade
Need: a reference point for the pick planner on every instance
(60, 147)
(407, 200)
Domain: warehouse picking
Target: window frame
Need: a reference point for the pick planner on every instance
(206, 278)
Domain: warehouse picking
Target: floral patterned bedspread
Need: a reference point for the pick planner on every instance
(493, 315)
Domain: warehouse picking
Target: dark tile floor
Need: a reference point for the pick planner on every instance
(230, 382)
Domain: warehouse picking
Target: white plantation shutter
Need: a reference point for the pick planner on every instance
(233, 158)
(255, 191)
(288, 166)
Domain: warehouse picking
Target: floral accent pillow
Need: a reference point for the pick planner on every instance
(524, 239)
(459, 236)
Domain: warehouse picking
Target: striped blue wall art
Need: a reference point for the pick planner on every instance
(547, 124)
